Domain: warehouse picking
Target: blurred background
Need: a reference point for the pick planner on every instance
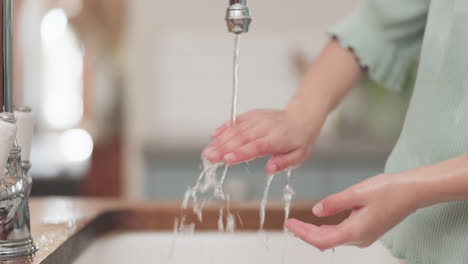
(125, 94)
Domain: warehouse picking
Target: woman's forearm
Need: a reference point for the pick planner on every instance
(328, 79)
(442, 182)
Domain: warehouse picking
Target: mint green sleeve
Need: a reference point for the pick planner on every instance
(386, 36)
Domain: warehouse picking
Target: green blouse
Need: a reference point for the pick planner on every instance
(386, 36)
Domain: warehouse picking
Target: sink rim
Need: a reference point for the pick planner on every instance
(159, 216)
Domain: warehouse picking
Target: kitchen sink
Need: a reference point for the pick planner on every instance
(226, 248)
(138, 232)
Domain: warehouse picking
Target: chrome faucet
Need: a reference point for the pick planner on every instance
(15, 183)
(238, 16)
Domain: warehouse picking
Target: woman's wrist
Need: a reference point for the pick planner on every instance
(308, 111)
(309, 117)
(412, 195)
(326, 82)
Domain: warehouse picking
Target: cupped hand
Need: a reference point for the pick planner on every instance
(285, 134)
(377, 205)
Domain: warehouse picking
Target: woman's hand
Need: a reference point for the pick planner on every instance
(376, 205)
(288, 134)
(285, 134)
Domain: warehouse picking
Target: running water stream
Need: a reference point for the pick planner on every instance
(235, 94)
(235, 81)
(288, 194)
(208, 179)
(263, 203)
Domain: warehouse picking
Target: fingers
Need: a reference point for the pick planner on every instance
(282, 162)
(231, 138)
(253, 136)
(336, 203)
(240, 140)
(219, 130)
(231, 142)
(233, 132)
(249, 151)
(321, 238)
(239, 120)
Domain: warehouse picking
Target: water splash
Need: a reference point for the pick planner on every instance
(219, 193)
(240, 219)
(288, 194)
(264, 201)
(230, 223)
(207, 180)
(221, 220)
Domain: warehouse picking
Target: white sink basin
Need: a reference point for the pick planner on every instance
(206, 248)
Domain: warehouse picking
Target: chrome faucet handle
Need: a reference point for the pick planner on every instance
(8, 133)
(15, 231)
(25, 125)
(238, 16)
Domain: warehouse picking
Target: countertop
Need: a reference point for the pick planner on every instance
(55, 220)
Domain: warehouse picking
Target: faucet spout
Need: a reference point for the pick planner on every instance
(242, 2)
(238, 16)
